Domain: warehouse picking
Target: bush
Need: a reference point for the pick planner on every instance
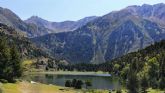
(161, 83)
(79, 84)
(88, 83)
(144, 84)
(68, 83)
(1, 90)
(74, 81)
(118, 91)
(3, 81)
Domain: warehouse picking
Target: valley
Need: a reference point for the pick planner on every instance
(119, 52)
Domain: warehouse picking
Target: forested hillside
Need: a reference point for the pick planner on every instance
(27, 49)
(148, 62)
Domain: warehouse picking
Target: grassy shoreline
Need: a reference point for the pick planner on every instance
(27, 87)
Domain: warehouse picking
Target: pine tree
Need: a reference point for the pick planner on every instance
(4, 59)
(162, 71)
(162, 83)
(133, 82)
(74, 81)
(144, 84)
(10, 62)
(16, 62)
(68, 83)
(79, 84)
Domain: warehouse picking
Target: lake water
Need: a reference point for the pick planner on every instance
(99, 81)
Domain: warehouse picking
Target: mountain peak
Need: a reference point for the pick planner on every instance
(133, 6)
(59, 26)
(160, 4)
(36, 18)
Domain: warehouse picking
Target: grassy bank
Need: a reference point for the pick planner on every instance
(26, 87)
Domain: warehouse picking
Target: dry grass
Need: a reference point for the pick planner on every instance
(26, 87)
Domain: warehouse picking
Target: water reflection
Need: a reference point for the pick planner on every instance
(98, 82)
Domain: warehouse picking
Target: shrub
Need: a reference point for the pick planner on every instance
(88, 83)
(79, 84)
(3, 81)
(74, 81)
(118, 91)
(68, 83)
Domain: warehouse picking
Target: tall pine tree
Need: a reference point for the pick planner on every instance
(4, 59)
(10, 62)
(15, 62)
(133, 81)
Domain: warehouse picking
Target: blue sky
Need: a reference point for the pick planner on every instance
(60, 10)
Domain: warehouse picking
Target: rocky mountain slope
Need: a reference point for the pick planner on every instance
(27, 49)
(11, 19)
(59, 26)
(36, 26)
(109, 36)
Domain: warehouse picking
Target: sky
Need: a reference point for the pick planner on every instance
(61, 10)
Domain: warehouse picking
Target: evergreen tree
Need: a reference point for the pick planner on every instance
(79, 84)
(5, 69)
(10, 63)
(15, 62)
(133, 82)
(162, 71)
(144, 84)
(74, 81)
(162, 83)
(68, 83)
(153, 72)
